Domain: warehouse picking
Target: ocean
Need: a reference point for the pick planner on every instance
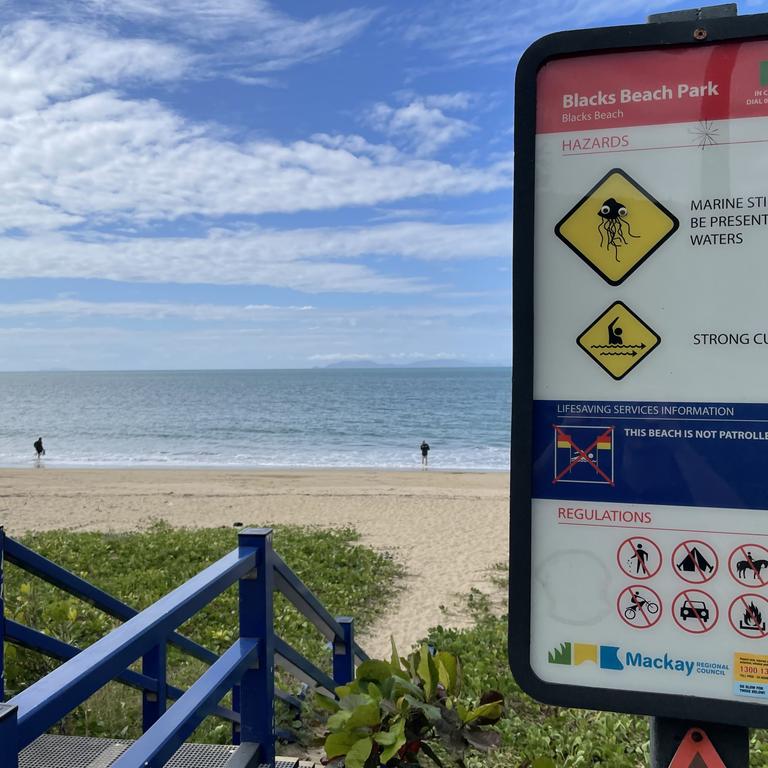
(364, 418)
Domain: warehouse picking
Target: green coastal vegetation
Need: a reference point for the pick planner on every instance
(535, 735)
(140, 567)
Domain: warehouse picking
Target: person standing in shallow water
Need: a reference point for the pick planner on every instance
(424, 453)
(39, 449)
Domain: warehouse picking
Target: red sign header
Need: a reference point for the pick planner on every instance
(653, 87)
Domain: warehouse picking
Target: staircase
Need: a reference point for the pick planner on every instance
(246, 668)
(51, 751)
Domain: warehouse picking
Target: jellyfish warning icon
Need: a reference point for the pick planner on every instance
(618, 340)
(616, 226)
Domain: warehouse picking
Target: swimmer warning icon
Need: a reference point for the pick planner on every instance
(618, 340)
(616, 226)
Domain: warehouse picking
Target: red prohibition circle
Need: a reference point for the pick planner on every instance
(687, 547)
(742, 601)
(741, 552)
(700, 624)
(627, 614)
(631, 541)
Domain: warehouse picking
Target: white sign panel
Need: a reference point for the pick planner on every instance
(649, 463)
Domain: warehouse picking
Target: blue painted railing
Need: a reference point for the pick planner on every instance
(246, 668)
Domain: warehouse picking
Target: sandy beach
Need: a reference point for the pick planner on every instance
(446, 528)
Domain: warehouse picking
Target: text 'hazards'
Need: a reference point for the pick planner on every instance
(618, 340)
(616, 226)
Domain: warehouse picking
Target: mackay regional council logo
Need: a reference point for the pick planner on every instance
(614, 658)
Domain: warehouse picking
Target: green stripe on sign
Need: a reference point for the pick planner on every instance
(764, 73)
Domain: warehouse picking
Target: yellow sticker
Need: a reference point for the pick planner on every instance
(616, 226)
(750, 668)
(618, 340)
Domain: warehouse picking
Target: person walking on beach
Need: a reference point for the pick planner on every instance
(39, 449)
(424, 454)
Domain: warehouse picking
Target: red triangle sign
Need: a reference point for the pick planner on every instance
(696, 751)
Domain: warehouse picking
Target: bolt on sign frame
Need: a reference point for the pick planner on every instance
(685, 74)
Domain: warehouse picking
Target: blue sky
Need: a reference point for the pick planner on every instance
(253, 184)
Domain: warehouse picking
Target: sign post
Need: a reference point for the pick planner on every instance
(639, 499)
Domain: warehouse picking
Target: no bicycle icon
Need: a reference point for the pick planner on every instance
(639, 606)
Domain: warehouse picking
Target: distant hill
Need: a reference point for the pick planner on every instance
(420, 364)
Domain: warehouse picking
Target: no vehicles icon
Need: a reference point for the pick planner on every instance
(695, 611)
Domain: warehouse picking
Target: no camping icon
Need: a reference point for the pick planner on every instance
(695, 561)
(583, 454)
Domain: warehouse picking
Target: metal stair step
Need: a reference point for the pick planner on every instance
(52, 751)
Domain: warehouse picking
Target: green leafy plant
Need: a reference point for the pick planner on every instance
(393, 711)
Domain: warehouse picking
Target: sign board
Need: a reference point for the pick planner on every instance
(639, 486)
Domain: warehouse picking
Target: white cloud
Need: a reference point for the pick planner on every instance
(236, 37)
(422, 125)
(109, 158)
(444, 101)
(74, 308)
(85, 335)
(74, 152)
(496, 31)
(40, 63)
(311, 259)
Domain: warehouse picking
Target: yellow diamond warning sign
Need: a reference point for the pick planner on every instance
(616, 226)
(618, 340)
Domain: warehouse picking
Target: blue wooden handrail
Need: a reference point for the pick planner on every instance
(59, 692)
(297, 593)
(45, 569)
(293, 662)
(154, 747)
(42, 567)
(248, 664)
(26, 637)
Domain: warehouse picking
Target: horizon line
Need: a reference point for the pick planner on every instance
(379, 366)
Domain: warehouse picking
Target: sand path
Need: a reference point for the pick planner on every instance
(446, 528)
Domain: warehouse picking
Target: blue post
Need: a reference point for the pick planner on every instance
(9, 736)
(154, 704)
(2, 613)
(236, 708)
(344, 652)
(257, 686)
